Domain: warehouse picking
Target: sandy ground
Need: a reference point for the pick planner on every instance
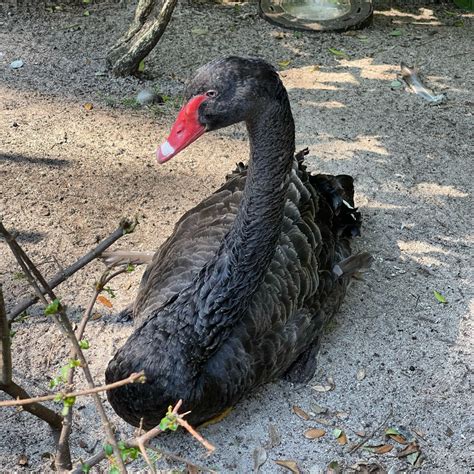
(67, 176)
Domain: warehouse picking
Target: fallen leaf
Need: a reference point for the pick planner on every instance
(396, 33)
(342, 415)
(96, 316)
(301, 413)
(141, 66)
(314, 433)
(284, 63)
(338, 52)
(260, 456)
(410, 449)
(330, 385)
(459, 23)
(396, 84)
(342, 440)
(103, 300)
(323, 421)
(274, 435)
(360, 375)
(333, 468)
(88, 106)
(413, 457)
(419, 433)
(23, 460)
(360, 433)
(199, 31)
(319, 410)
(337, 432)
(379, 449)
(86, 13)
(439, 297)
(290, 465)
(449, 432)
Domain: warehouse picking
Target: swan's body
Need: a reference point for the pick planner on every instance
(244, 286)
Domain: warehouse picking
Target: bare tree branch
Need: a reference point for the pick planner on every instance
(64, 325)
(126, 227)
(134, 378)
(6, 383)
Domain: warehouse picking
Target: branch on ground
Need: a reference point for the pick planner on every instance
(149, 24)
(126, 226)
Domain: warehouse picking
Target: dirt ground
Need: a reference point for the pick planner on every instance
(398, 357)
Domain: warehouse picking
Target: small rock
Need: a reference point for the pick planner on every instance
(148, 96)
(360, 375)
(23, 460)
(17, 64)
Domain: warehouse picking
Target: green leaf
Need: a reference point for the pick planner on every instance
(108, 449)
(74, 363)
(338, 52)
(141, 66)
(85, 468)
(54, 382)
(130, 267)
(109, 291)
(284, 63)
(86, 2)
(84, 344)
(459, 23)
(53, 307)
(396, 33)
(396, 84)
(337, 432)
(64, 371)
(86, 13)
(392, 431)
(58, 397)
(440, 297)
(114, 470)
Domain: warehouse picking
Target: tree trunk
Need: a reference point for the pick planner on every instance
(149, 24)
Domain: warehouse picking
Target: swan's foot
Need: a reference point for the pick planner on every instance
(217, 418)
(303, 369)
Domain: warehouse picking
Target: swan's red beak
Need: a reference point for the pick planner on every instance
(185, 130)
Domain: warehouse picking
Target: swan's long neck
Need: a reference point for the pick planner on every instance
(225, 286)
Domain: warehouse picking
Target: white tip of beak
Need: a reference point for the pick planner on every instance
(165, 152)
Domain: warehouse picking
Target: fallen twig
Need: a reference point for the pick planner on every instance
(134, 378)
(126, 226)
(371, 435)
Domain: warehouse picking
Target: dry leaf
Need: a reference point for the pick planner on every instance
(96, 316)
(23, 460)
(301, 413)
(379, 449)
(419, 433)
(322, 421)
(88, 106)
(290, 465)
(259, 458)
(314, 433)
(319, 410)
(342, 440)
(410, 449)
(275, 437)
(398, 438)
(102, 299)
(342, 415)
(360, 374)
(360, 433)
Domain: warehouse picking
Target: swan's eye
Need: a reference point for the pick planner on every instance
(212, 93)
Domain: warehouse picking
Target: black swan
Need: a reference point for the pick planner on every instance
(240, 292)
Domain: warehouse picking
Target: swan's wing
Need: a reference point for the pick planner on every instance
(195, 239)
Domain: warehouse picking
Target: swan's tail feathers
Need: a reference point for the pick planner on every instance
(113, 258)
(354, 265)
(338, 192)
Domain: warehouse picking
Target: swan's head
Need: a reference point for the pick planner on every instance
(221, 93)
